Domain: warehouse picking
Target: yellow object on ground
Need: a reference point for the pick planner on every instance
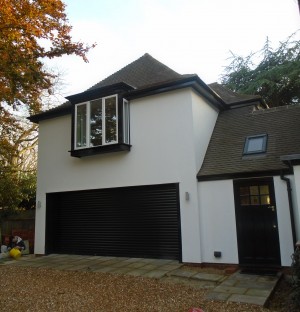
(15, 253)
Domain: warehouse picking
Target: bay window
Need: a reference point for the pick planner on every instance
(101, 126)
(96, 122)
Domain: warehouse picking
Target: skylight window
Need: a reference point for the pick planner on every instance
(255, 144)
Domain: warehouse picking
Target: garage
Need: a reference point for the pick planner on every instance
(139, 221)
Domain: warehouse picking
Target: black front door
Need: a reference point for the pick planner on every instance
(256, 222)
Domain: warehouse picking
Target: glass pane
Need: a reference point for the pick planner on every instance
(255, 144)
(254, 190)
(254, 200)
(96, 123)
(244, 190)
(81, 126)
(244, 200)
(265, 200)
(110, 120)
(126, 121)
(264, 189)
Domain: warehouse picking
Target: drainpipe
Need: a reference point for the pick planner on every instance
(289, 191)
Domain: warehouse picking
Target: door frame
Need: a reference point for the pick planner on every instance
(247, 182)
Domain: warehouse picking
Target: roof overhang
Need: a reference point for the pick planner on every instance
(243, 175)
(193, 82)
(99, 92)
(89, 95)
(291, 160)
(58, 111)
(129, 92)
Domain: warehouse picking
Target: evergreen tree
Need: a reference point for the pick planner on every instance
(272, 74)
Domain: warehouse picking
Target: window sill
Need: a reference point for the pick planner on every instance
(111, 148)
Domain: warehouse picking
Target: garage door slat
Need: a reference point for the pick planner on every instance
(140, 221)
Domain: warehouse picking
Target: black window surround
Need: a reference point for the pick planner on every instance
(255, 144)
(120, 141)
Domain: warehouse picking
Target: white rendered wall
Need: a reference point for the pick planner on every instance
(217, 221)
(163, 151)
(218, 225)
(284, 220)
(296, 197)
(204, 120)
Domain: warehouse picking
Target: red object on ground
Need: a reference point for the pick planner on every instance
(195, 310)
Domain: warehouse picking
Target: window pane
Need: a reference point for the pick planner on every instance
(254, 190)
(81, 126)
(126, 121)
(244, 200)
(264, 189)
(96, 123)
(265, 200)
(255, 144)
(244, 190)
(110, 120)
(254, 200)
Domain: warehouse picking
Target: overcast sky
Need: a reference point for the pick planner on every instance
(191, 36)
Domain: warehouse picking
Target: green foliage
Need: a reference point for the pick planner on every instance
(17, 191)
(272, 74)
(18, 149)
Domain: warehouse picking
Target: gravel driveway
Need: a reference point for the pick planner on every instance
(37, 289)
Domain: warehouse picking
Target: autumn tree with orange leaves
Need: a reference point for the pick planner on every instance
(30, 32)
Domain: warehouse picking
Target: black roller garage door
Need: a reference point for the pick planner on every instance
(140, 221)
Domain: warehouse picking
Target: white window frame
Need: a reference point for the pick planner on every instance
(88, 123)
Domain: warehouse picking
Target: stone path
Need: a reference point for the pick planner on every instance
(254, 289)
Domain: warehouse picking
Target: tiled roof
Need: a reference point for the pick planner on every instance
(224, 156)
(147, 72)
(143, 72)
(230, 97)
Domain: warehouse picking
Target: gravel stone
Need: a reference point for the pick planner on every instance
(39, 289)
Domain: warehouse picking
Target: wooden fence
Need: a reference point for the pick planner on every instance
(22, 225)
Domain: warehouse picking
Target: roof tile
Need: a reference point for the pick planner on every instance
(224, 155)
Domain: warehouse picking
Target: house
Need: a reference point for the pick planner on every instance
(151, 163)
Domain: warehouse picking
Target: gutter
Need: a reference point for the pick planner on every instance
(193, 82)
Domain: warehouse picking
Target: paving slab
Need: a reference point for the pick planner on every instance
(151, 267)
(246, 288)
(230, 289)
(122, 270)
(247, 299)
(105, 269)
(156, 273)
(214, 295)
(208, 277)
(171, 266)
(136, 265)
(257, 292)
(254, 289)
(137, 272)
(182, 273)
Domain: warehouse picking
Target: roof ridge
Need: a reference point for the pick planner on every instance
(140, 72)
(146, 54)
(276, 108)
